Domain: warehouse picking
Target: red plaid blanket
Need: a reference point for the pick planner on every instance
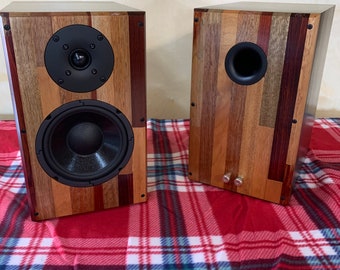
(184, 225)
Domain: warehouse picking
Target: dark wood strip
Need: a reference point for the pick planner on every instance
(125, 188)
(137, 68)
(288, 92)
(263, 33)
(98, 197)
(211, 27)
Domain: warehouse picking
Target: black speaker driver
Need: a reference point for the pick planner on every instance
(84, 143)
(79, 58)
(246, 63)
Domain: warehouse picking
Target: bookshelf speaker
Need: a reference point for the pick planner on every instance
(77, 76)
(256, 74)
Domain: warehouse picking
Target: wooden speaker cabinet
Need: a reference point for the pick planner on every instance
(256, 74)
(77, 76)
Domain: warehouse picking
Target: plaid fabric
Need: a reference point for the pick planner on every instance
(184, 225)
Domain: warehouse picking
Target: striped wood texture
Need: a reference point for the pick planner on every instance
(251, 131)
(36, 95)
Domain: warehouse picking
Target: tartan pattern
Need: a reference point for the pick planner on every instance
(183, 225)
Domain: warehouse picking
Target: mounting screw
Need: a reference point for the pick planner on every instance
(56, 38)
(238, 181)
(7, 27)
(140, 24)
(196, 19)
(294, 121)
(310, 26)
(193, 104)
(227, 177)
(100, 37)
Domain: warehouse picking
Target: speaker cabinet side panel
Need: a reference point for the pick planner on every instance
(196, 97)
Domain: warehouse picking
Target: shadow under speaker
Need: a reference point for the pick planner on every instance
(256, 75)
(77, 76)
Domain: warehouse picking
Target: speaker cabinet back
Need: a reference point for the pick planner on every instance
(256, 73)
(77, 76)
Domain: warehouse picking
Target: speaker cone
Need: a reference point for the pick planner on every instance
(246, 63)
(79, 58)
(84, 143)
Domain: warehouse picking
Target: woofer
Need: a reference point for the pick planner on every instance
(79, 58)
(84, 143)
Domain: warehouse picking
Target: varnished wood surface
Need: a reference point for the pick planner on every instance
(247, 130)
(36, 96)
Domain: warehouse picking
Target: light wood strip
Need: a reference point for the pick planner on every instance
(222, 108)
(62, 198)
(276, 53)
(139, 166)
(110, 193)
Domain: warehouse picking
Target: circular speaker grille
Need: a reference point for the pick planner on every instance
(79, 58)
(246, 63)
(84, 143)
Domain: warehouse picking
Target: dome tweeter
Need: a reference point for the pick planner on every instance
(79, 58)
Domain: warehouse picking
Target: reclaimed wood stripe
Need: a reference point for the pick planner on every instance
(98, 197)
(288, 92)
(223, 102)
(125, 187)
(82, 199)
(137, 68)
(212, 33)
(276, 56)
(110, 193)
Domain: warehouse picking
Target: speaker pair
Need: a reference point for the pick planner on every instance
(77, 73)
(256, 74)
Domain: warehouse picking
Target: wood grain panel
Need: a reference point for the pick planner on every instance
(37, 96)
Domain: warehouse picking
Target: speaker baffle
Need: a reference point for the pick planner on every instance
(79, 58)
(246, 63)
(84, 143)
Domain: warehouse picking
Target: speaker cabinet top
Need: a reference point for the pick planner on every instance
(57, 6)
(271, 7)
